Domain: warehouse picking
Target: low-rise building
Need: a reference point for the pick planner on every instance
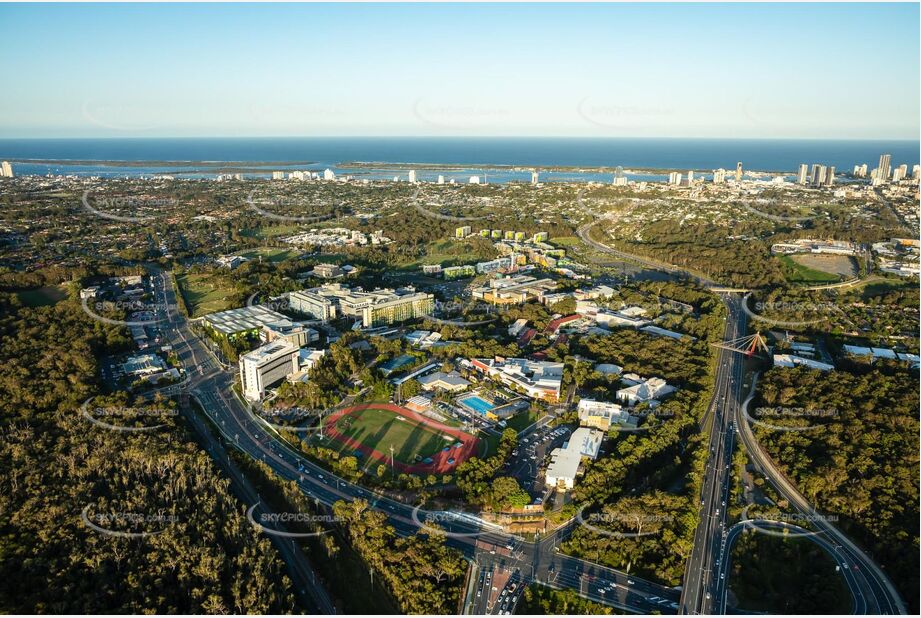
(439, 380)
(648, 391)
(539, 379)
(601, 414)
(565, 462)
(791, 360)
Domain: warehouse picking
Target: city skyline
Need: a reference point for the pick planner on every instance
(382, 70)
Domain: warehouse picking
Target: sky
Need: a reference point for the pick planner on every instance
(843, 71)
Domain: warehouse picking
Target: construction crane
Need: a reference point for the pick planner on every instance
(749, 345)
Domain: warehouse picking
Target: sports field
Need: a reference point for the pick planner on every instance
(420, 444)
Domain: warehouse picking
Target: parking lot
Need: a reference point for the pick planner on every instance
(532, 454)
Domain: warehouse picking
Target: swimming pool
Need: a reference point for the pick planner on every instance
(476, 404)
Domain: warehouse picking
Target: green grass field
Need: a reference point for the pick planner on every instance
(797, 273)
(205, 293)
(41, 297)
(381, 429)
(271, 254)
(271, 231)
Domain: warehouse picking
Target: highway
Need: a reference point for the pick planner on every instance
(211, 386)
(700, 575)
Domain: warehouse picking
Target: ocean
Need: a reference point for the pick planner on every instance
(468, 156)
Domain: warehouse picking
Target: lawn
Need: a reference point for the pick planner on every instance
(522, 420)
(272, 254)
(206, 293)
(41, 297)
(797, 273)
(380, 429)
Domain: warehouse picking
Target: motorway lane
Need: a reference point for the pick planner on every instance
(697, 596)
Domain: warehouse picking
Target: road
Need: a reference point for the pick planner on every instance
(699, 579)
(876, 592)
(211, 386)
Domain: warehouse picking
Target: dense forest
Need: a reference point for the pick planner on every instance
(200, 554)
(768, 573)
(861, 460)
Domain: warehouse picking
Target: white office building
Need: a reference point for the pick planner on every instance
(802, 174)
(412, 176)
(266, 366)
(329, 174)
(565, 462)
(6, 170)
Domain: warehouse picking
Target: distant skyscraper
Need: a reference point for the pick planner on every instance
(412, 176)
(6, 170)
(803, 172)
(534, 177)
(916, 172)
(329, 174)
(863, 170)
(674, 178)
(278, 175)
(441, 179)
(690, 176)
(883, 170)
(739, 170)
(719, 176)
(830, 176)
(818, 174)
(903, 171)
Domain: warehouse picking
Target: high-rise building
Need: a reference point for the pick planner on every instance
(830, 176)
(863, 170)
(690, 176)
(441, 179)
(883, 171)
(474, 180)
(329, 174)
(801, 175)
(674, 178)
(818, 174)
(534, 177)
(719, 176)
(412, 176)
(916, 172)
(278, 175)
(265, 366)
(903, 171)
(6, 170)
(739, 170)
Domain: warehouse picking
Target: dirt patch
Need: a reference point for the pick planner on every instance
(843, 265)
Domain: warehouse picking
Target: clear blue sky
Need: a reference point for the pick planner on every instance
(680, 70)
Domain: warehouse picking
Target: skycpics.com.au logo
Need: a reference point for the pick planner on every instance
(784, 525)
(117, 208)
(768, 416)
(434, 209)
(452, 313)
(823, 310)
(128, 525)
(140, 313)
(617, 115)
(113, 418)
(459, 116)
(270, 523)
(633, 524)
(272, 207)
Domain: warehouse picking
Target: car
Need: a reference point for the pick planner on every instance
(654, 599)
(673, 605)
(631, 582)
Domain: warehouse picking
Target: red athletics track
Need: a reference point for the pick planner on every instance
(439, 463)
